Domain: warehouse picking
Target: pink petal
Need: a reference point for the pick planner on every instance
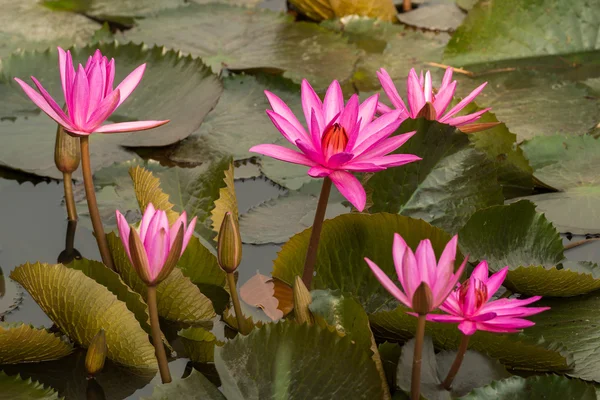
(62, 66)
(189, 233)
(55, 107)
(39, 101)
(399, 247)
(363, 167)
(447, 78)
(146, 219)
(153, 228)
(367, 109)
(466, 119)
(443, 99)
(463, 103)
(470, 299)
(96, 83)
(124, 230)
(349, 115)
(81, 98)
(445, 268)
(130, 126)
(106, 107)
(110, 77)
(279, 107)
(428, 88)
(480, 272)
(382, 108)
(353, 136)
(70, 81)
(182, 220)
(427, 263)
(333, 103)
(410, 273)
(129, 84)
(157, 250)
(350, 188)
(283, 154)
(394, 160)
(467, 327)
(339, 159)
(387, 146)
(387, 283)
(509, 323)
(377, 131)
(451, 305)
(286, 128)
(451, 319)
(318, 171)
(309, 151)
(310, 101)
(390, 90)
(495, 281)
(414, 92)
(483, 317)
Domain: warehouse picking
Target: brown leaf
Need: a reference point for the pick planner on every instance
(259, 292)
(285, 294)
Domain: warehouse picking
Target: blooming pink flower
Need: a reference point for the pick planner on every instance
(341, 139)
(420, 92)
(89, 96)
(157, 239)
(421, 267)
(470, 306)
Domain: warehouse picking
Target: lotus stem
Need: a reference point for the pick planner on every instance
(94, 391)
(415, 386)
(313, 245)
(406, 5)
(464, 343)
(239, 317)
(90, 195)
(69, 199)
(161, 355)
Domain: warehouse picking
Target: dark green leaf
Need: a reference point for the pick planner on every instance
(548, 387)
(13, 387)
(195, 386)
(199, 344)
(390, 356)
(20, 343)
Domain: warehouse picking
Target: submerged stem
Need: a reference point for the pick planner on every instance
(464, 343)
(69, 199)
(90, 195)
(415, 386)
(236, 303)
(161, 355)
(313, 245)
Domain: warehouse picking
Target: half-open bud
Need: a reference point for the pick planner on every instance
(229, 246)
(422, 300)
(302, 300)
(67, 153)
(96, 354)
(139, 259)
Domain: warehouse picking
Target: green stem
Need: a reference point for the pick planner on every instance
(313, 245)
(464, 343)
(69, 199)
(161, 355)
(90, 195)
(415, 386)
(236, 303)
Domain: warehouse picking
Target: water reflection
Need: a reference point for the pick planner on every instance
(70, 253)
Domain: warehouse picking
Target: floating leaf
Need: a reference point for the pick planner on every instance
(446, 187)
(23, 343)
(259, 291)
(295, 361)
(80, 307)
(113, 10)
(345, 241)
(427, 16)
(475, 371)
(199, 344)
(319, 10)
(224, 37)
(544, 27)
(177, 297)
(227, 202)
(390, 356)
(194, 386)
(13, 387)
(188, 90)
(549, 387)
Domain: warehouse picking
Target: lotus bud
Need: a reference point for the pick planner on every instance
(66, 151)
(427, 112)
(477, 127)
(229, 246)
(96, 354)
(422, 300)
(302, 301)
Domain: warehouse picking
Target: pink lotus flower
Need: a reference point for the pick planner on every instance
(420, 92)
(421, 267)
(341, 139)
(89, 96)
(470, 306)
(155, 240)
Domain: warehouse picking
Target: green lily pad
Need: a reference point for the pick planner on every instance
(80, 307)
(567, 164)
(475, 371)
(345, 241)
(226, 37)
(188, 90)
(390, 356)
(276, 220)
(199, 344)
(427, 16)
(550, 387)
(113, 10)
(227, 202)
(297, 362)
(177, 297)
(450, 183)
(13, 387)
(194, 386)
(21, 343)
(28, 25)
(508, 29)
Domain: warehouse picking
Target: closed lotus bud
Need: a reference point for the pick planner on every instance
(302, 300)
(229, 246)
(96, 354)
(427, 112)
(422, 300)
(66, 151)
(477, 127)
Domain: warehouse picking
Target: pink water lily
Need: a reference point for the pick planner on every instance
(157, 239)
(341, 139)
(420, 91)
(421, 267)
(470, 305)
(89, 96)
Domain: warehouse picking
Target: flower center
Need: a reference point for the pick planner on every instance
(481, 292)
(334, 140)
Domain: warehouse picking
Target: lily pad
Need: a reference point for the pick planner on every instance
(227, 202)
(199, 344)
(113, 10)
(450, 183)
(177, 297)
(475, 371)
(319, 10)
(21, 343)
(295, 361)
(259, 291)
(345, 241)
(276, 220)
(390, 356)
(567, 164)
(194, 386)
(13, 387)
(550, 387)
(226, 37)
(429, 16)
(82, 307)
(508, 29)
(188, 90)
